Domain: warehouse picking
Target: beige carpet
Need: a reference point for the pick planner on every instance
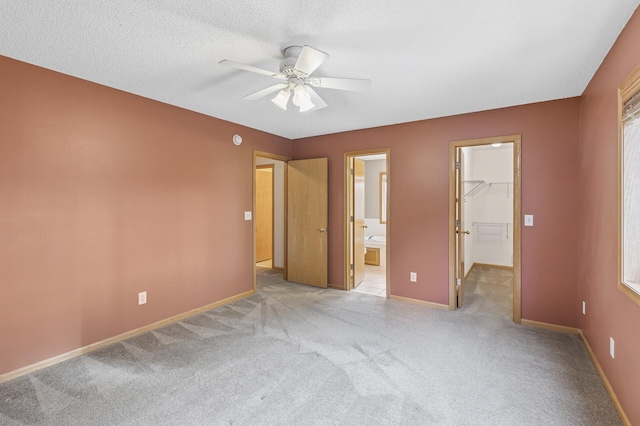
(297, 355)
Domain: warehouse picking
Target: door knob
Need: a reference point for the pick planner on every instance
(464, 232)
(323, 229)
(364, 226)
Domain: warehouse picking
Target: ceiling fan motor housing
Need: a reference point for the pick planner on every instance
(287, 65)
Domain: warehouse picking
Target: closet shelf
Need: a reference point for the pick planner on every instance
(479, 185)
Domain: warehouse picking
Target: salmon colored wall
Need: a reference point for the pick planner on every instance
(609, 312)
(419, 185)
(104, 194)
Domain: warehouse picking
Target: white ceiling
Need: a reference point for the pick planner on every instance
(426, 58)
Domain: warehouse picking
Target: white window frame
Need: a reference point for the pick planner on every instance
(628, 187)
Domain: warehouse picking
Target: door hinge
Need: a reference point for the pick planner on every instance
(458, 165)
(353, 171)
(352, 266)
(457, 223)
(351, 218)
(458, 282)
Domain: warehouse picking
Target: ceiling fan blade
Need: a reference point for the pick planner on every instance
(352, 84)
(264, 92)
(315, 99)
(252, 69)
(309, 60)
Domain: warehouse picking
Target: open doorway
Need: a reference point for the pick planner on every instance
(366, 222)
(484, 256)
(264, 214)
(269, 198)
(299, 219)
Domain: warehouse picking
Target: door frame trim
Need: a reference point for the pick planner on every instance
(348, 208)
(285, 160)
(517, 216)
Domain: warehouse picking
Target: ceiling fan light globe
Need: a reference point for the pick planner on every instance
(306, 106)
(281, 99)
(300, 96)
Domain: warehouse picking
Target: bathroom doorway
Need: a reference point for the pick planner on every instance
(484, 226)
(366, 222)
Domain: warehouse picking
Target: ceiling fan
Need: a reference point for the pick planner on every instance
(295, 73)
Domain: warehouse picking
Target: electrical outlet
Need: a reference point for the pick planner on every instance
(612, 347)
(247, 215)
(142, 298)
(413, 277)
(584, 308)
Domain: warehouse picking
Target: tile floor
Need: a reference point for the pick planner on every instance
(375, 281)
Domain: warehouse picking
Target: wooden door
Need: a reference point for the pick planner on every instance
(461, 233)
(264, 213)
(358, 221)
(307, 211)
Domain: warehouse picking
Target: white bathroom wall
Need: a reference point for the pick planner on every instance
(490, 210)
(278, 209)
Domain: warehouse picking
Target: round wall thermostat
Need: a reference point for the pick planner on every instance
(237, 139)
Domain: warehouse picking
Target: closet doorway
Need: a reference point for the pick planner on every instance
(484, 226)
(265, 214)
(270, 218)
(366, 222)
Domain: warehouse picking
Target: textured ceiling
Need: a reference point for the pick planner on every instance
(426, 58)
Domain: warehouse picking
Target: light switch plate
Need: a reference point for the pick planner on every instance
(612, 347)
(528, 220)
(247, 215)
